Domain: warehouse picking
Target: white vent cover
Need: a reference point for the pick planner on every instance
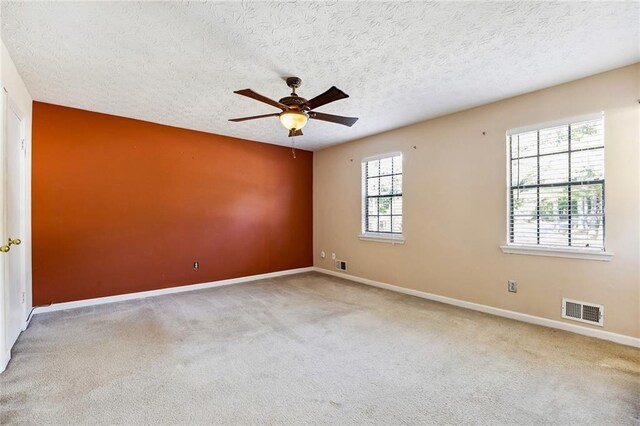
(341, 265)
(583, 312)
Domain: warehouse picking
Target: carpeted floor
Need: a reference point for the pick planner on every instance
(310, 349)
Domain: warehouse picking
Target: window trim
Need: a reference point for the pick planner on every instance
(381, 237)
(541, 250)
(572, 253)
(556, 123)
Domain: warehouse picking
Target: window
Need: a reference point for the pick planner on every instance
(556, 185)
(382, 195)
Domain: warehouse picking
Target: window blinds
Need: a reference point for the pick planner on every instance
(382, 188)
(556, 185)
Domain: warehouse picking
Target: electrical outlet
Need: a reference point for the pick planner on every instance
(196, 265)
(512, 286)
(323, 255)
(333, 256)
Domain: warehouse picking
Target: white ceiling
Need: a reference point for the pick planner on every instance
(401, 62)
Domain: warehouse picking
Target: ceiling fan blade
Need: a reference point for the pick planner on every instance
(254, 117)
(293, 133)
(345, 121)
(258, 97)
(331, 95)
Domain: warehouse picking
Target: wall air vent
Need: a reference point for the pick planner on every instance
(583, 312)
(341, 265)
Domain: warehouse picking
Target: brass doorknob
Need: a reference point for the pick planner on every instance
(15, 242)
(4, 249)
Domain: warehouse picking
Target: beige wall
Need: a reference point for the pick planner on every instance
(456, 170)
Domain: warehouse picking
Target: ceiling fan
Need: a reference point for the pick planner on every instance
(296, 110)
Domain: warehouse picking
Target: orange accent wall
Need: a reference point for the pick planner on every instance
(122, 205)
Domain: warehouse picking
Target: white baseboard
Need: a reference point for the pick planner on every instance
(600, 334)
(180, 289)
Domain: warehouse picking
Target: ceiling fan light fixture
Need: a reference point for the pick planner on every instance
(293, 120)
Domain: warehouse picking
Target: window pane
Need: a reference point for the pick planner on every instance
(386, 166)
(554, 168)
(524, 144)
(587, 134)
(554, 139)
(373, 186)
(525, 202)
(397, 184)
(397, 164)
(554, 216)
(587, 231)
(587, 220)
(373, 168)
(372, 206)
(587, 199)
(396, 224)
(554, 200)
(385, 185)
(587, 165)
(524, 230)
(524, 172)
(384, 224)
(553, 234)
(372, 225)
(384, 206)
(396, 205)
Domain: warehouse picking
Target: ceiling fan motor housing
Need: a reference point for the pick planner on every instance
(294, 82)
(293, 101)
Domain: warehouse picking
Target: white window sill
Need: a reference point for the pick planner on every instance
(573, 253)
(383, 238)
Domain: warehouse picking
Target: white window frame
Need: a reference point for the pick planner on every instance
(381, 237)
(567, 252)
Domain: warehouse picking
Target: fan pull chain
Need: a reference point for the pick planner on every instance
(293, 148)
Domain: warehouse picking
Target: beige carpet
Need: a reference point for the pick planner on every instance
(310, 349)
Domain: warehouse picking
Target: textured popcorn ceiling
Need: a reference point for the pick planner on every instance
(178, 63)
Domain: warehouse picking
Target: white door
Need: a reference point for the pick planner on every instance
(14, 202)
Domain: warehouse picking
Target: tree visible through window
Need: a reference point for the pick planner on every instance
(382, 187)
(556, 185)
